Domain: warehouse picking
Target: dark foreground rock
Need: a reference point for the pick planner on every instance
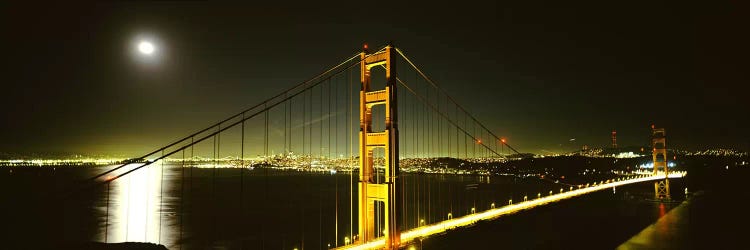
(115, 246)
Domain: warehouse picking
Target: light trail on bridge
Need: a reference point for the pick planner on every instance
(490, 214)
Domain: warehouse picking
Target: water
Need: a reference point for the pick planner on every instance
(199, 208)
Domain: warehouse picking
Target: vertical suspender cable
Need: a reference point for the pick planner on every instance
(148, 187)
(304, 121)
(285, 107)
(320, 158)
(265, 176)
(182, 196)
(335, 156)
(448, 127)
(428, 129)
(458, 127)
(466, 145)
(265, 135)
(161, 196)
(320, 125)
(106, 214)
(213, 190)
(310, 121)
(349, 129)
(242, 169)
(328, 120)
(291, 108)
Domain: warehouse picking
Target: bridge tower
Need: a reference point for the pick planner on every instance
(658, 140)
(614, 138)
(371, 192)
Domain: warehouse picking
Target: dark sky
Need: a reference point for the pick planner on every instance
(538, 73)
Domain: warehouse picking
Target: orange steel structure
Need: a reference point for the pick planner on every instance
(661, 188)
(384, 192)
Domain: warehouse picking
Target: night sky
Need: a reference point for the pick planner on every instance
(539, 74)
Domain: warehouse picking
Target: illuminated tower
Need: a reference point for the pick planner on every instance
(658, 140)
(614, 138)
(370, 191)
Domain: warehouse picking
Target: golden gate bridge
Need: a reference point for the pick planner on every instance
(390, 120)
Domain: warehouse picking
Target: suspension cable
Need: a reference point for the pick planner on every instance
(426, 104)
(309, 81)
(446, 94)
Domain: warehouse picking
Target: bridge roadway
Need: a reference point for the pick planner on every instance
(490, 214)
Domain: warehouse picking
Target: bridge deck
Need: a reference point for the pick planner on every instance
(467, 220)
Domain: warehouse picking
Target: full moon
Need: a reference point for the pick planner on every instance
(146, 47)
